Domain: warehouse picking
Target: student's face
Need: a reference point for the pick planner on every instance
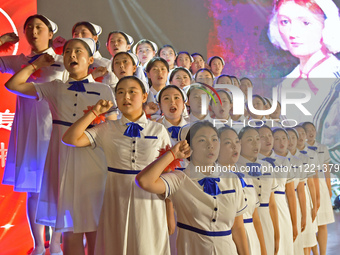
(216, 66)
(276, 114)
(169, 55)
(310, 132)
(122, 66)
(267, 140)
(158, 74)
(230, 148)
(258, 105)
(83, 32)
(221, 111)
(117, 43)
(130, 98)
(172, 104)
(76, 58)
(302, 137)
(181, 79)
(224, 80)
(195, 100)
(205, 146)
(184, 61)
(145, 53)
(250, 144)
(292, 141)
(280, 142)
(300, 29)
(204, 77)
(245, 84)
(236, 82)
(37, 34)
(197, 64)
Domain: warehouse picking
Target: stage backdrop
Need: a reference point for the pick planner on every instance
(14, 232)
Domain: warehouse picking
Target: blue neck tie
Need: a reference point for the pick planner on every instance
(78, 85)
(270, 160)
(210, 186)
(174, 131)
(35, 57)
(254, 169)
(314, 148)
(133, 129)
(241, 176)
(303, 152)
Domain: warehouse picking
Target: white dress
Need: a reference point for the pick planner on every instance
(309, 158)
(299, 176)
(74, 178)
(264, 185)
(132, 221)
(325, 213)
(283, 176)
(253, 202)
(200, 216)
(31, 129)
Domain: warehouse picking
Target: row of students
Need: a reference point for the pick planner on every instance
(285, 196)
(62, 207)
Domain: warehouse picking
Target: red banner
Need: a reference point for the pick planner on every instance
(15, 236)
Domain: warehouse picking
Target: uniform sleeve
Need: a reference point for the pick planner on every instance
(47, 90)
(11, 64)
(165, 136)
(241, 203)
(291, 173)
(95, 134)
(172, 181)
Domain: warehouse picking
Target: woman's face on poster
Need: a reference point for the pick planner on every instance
(300, 29)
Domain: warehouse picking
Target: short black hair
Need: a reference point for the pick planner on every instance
(180, 68)
(244, 130)
(166, 46)
(89, 26)
(197, 126)
(169, 87)
(84, 43)
(131, 78)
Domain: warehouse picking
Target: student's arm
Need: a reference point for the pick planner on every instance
(317, 191)
(17, 83)
(275, 219)
(302, 201)
(75, 135)
(291, 198)
(170, 216)
(311, 187)
(259, 232)
(9, 37)
(239, 236)
(149, 179)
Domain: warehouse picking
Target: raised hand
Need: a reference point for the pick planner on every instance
(151, 108)
(58, 42)
(43, 61)
(181, 149)
(9, 37)
(99, 72)
(102, 106)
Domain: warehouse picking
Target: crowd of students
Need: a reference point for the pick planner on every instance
(86, 141)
